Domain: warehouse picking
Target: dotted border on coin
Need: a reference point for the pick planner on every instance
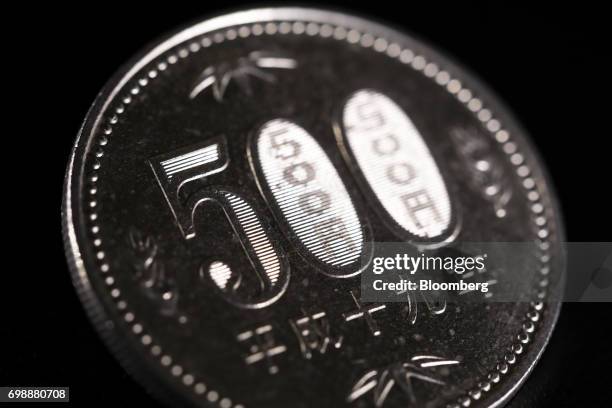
(393, 50)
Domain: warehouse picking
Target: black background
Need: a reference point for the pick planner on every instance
(548, 62)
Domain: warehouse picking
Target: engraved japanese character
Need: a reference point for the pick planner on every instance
(262, 347)
(314, 333)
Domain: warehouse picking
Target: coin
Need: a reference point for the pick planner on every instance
(224, 186)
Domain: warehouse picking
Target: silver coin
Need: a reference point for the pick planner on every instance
(224, 185)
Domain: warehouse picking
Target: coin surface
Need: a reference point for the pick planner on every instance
(224, 186)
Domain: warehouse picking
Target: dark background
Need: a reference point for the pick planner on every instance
(546, 61)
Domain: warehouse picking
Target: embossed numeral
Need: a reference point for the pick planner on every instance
(270, 270)
(308, 197)
(393, 163)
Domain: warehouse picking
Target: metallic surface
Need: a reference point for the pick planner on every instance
(206, 288)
